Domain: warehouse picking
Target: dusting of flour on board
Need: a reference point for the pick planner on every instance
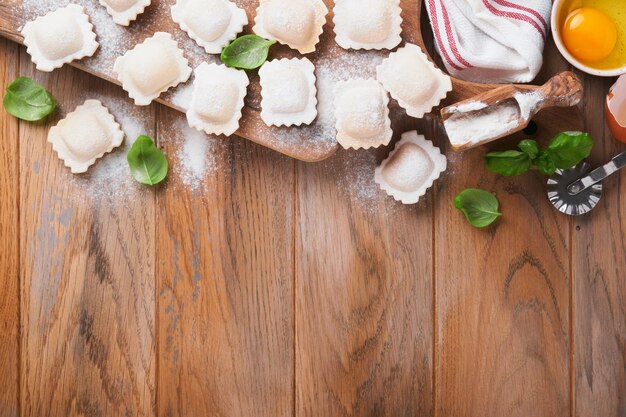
(355, 64)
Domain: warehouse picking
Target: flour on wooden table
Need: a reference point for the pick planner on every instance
(353, 174)
(195, 159)
(358, 178)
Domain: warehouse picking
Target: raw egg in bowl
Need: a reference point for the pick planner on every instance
(591, 34)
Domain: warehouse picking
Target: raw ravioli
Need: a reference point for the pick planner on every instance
(85, 135)
(413, 80)
(411, 168)
(211, 23)
(295, 23)
(289, 95)
(362, 114)
(217, 99)
(60, 37)
(125, 11)
(151, 68)
(368, 24)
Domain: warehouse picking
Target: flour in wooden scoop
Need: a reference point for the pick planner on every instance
(475, 123)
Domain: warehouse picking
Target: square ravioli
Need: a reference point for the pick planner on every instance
(85, 135)
(362, 114)
(288, 92)
(368, 24)
(411, 168)
(413, 80)
(151, 68)
(295, 23)
(211, 23)
(60, 37)
(125, 11)
(217, 99)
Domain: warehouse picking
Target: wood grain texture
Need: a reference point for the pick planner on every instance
(9, 243)
(225, 273)
(364, 293)
(294, 289)
(503, 293)
(87, 269)
(599, 260)
(502, 301)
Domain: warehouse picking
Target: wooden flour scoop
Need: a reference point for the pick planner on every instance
(506, 110)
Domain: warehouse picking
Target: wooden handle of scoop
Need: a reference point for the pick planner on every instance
(562, 90)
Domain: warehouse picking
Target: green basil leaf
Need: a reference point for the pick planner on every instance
(545, 163)
(529, 147)
(147, 163)
(569, 148)
(508, 163)
(247, 52)
(480, 207)
(27, 100)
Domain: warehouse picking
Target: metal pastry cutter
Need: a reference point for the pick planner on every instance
(577, 191)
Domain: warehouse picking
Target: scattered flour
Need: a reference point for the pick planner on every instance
(353, 173)
(358, 178)
(196, 155)
(182, 97)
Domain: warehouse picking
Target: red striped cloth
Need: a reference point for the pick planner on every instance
(491, 41)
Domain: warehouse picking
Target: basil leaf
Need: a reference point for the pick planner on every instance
(508, 163)
(147, 163)
(246, 52)
(569, 148)
(545, 163)
(529, 147)
(27, 100)
(480, 207)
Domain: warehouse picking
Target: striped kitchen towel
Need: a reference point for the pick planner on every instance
(491, 41)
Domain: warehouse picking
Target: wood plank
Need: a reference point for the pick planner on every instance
(599, 246)
(9, 242)
(225, 238)
(87, 258)
(503, 293)
(364, 312)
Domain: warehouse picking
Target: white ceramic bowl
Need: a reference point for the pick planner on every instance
(556, 29)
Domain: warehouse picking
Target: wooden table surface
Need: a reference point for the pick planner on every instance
(274, 288)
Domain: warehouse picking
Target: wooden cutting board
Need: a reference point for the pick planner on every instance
(308, 143)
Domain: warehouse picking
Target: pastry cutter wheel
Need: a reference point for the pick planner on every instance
(576, 191)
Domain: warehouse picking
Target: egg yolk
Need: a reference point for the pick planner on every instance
(589, 34)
